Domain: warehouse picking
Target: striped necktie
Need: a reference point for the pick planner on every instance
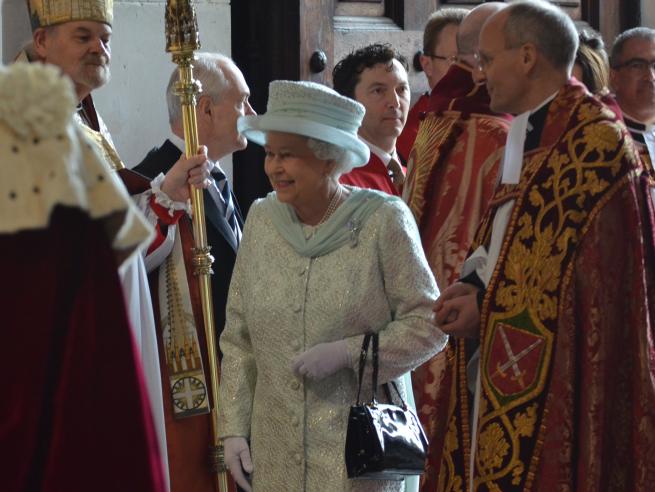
(228, 209)
(396, 172)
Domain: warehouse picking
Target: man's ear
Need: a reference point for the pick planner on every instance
(204, 104)
(426, 62)
(528, 58)
(614, 79)
(40, 42)
(204, 109)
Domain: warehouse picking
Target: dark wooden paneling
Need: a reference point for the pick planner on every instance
(266, 46)
(415, 13)
(395, 10)
(631, 10)
(316, 34)
(612, 17)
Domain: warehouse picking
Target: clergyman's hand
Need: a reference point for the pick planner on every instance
(195, 170)
(456, 311)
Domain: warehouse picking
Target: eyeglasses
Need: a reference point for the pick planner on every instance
(448, 59)
(637, 65)
(481, 62)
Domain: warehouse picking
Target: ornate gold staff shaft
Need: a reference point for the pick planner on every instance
(181, 41)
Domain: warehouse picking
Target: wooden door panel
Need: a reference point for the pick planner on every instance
(276, 40)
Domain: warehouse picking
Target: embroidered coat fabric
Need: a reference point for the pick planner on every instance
(567, 400)
(648, 184)
(452, 174)
(281, 304)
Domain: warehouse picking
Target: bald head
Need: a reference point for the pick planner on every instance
(544, 25)
(468, 33)
(525, 54)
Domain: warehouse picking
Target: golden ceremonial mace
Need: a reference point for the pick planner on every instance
(181, 41)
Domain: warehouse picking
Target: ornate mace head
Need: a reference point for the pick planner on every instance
(181, 27)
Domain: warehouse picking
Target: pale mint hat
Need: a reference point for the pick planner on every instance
(312, 110)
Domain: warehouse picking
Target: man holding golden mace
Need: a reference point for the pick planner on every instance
(182, 41)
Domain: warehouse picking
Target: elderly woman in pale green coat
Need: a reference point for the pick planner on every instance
(320, 264)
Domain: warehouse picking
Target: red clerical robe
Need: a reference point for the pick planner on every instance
(373, 175)
(452, 174)
(648, 185)
(75, 413)
(405, 140)
(567, 361)
(452, 170)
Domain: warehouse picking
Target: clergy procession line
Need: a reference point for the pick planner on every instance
(498, 237)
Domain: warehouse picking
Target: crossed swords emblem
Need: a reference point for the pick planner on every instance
(513, 359)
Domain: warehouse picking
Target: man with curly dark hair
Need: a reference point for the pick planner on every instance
(376, 76)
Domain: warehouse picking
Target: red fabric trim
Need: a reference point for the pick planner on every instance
(162, 213)
(164, 218)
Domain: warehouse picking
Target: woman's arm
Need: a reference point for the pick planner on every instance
(238, 367)
(410, 338)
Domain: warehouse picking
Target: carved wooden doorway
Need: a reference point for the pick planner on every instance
(302, 40)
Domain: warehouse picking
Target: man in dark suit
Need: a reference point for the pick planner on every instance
(223, 99)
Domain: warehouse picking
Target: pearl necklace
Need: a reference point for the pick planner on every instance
(332, 206)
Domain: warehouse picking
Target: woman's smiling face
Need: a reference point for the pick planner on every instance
(298, 177)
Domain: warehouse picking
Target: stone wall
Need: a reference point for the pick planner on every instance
(133, 103)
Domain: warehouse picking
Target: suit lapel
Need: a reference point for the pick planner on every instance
(161, 160)
(218, 220)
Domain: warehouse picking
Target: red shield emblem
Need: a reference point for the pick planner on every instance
(515, 359)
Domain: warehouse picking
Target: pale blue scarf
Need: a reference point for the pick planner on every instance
(342, 227)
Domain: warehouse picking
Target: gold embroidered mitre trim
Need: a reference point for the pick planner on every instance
(45, 13)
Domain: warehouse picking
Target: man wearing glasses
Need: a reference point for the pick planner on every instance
(439, 50)
(632, 77)
(455, 161)
(562, 397)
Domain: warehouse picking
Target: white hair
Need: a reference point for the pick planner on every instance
(208, 69)
(330, 152)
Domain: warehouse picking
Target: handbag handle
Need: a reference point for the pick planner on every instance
(362, 363)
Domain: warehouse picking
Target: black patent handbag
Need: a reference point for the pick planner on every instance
(383, 441)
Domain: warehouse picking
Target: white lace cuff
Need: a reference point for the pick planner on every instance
(164, 200)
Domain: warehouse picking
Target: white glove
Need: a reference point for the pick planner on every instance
(237, 459)
(322, 360)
